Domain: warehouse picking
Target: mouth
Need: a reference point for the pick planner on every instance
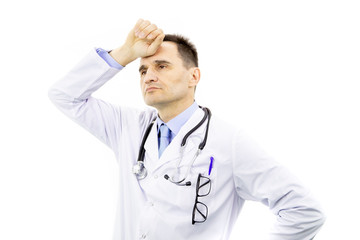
(151, 89)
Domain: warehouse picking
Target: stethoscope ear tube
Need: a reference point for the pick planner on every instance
(202, 145)
(142, 149)
(206, 115)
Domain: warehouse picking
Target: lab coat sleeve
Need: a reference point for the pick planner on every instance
(72, 95)
(258, 177)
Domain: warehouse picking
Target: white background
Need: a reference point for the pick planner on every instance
(285, 71)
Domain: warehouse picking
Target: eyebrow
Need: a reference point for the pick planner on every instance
(156, 62)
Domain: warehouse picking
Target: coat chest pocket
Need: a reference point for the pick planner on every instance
(202, 188)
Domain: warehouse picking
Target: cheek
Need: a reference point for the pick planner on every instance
(180, 84)
(142, 85)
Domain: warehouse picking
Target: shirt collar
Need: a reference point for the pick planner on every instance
(177, 122)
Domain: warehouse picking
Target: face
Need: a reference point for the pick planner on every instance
(164, 79)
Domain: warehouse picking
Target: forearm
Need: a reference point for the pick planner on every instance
(299, 215)
(123, 55)
(85, 78)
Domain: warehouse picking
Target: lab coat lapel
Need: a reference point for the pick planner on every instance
(151, 149)
(172, 152)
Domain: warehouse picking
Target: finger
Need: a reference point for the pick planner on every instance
(137, 25)
(153, 34)
(141, 27)
(156, 43)
(146, 31)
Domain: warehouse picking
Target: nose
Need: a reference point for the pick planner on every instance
(150, 76)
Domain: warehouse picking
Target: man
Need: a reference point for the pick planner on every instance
(195, 171)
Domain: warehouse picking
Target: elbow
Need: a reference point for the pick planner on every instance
(51, 94)
(314, 219)
(321, 217)
(57, 97)
(60, 99)
(315, 224)
(316, 214)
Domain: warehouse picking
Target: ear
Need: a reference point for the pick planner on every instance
(195, 76)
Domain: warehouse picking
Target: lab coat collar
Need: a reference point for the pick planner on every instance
(172, 152)
(176, 123)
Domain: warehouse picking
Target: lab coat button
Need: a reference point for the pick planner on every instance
(143, 236)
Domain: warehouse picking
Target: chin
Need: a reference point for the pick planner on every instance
(150, 102)
(154, 102)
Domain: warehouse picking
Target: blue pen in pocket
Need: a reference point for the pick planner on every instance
(211, 164)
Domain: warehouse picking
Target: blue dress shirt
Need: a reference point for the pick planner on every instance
(107, 58)
(176, 123)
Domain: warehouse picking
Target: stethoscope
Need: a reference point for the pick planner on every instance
(141, 172)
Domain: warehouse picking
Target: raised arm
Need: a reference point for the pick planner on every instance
(72, 93)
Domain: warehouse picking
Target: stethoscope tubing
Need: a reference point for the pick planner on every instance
(139, 169)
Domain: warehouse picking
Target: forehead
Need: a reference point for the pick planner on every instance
(167, 51)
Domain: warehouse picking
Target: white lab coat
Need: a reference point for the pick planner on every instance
(156, 209)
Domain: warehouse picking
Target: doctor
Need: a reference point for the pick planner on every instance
(184, 174)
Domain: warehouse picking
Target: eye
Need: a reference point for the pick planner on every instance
(162, 66)
(142, 73)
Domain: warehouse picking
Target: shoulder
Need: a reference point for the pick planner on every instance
(140, 116)
(233, 137)
(222, 134)
(222, 128)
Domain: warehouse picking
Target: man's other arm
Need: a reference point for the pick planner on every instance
(258, 177)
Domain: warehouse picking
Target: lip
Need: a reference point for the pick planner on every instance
(150, 89)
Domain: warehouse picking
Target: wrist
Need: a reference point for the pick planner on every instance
(123, 55)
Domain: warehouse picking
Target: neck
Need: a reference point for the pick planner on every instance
(170, 111)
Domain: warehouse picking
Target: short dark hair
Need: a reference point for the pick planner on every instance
(186, 49)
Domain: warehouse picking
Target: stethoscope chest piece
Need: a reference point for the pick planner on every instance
(139, 170)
